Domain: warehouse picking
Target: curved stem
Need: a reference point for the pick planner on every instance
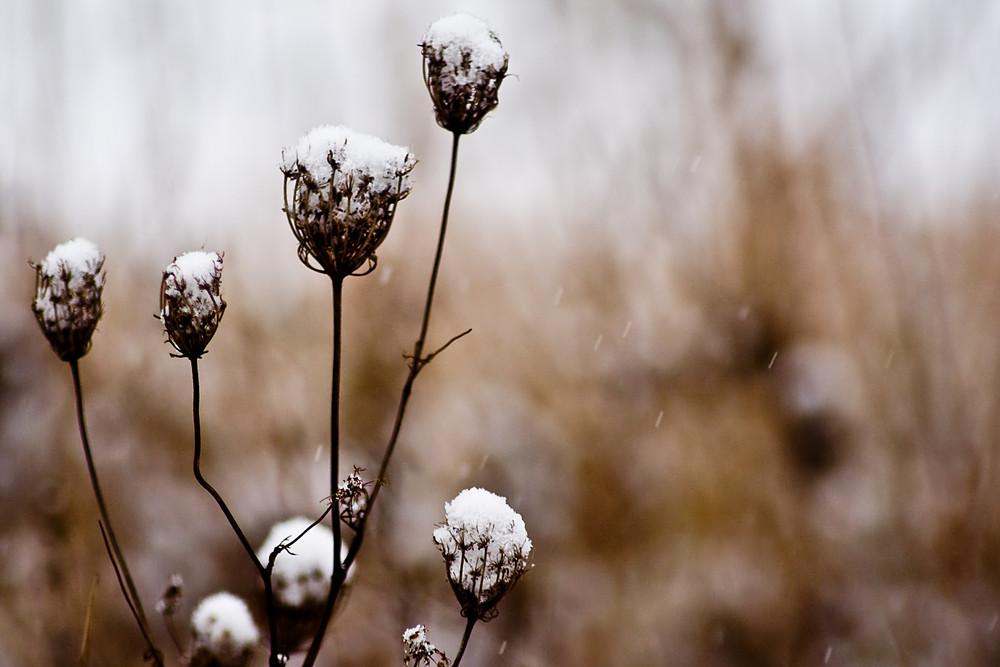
(264, 573)
(121, 567)
(339, 569)
(465, 640)
(418, 361)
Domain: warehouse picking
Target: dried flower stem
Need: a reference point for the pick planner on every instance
(265, 573)
(114, 550)
(339, 566)
(469, 624)
(418, 361)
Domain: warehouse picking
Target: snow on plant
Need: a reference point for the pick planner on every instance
(485, 548)
(67, 304)
(341, 192)
(418, 651)
(223, 632)
(301, 572)
(191, 304)
(464, 65)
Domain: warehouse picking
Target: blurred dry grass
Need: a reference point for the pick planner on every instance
(772, 442)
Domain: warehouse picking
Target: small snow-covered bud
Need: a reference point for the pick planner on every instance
(301, 576)
(191, 304)
(67, 304)
(464, 65)
(171, 598)
(485, 547)
(341, 192)
(223, 632)
(418, 651)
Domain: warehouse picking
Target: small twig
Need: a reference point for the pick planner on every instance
(84, 659)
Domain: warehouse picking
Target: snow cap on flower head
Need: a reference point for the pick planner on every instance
(191, 304)
(485, 548)
(301, 575)
(464, 65)
(223, 632)
(67, 303)
(341, 192)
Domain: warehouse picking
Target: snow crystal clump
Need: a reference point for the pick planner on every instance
(224, 631)
(485, 547)
(67, 304)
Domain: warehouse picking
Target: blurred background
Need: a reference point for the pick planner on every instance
(731, 269)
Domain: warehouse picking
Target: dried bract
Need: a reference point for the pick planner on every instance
(341, 192)
(67, 304)
(191, 304)
(464, 65)
(485, 548)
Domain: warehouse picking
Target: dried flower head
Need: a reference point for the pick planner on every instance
(418, 651)
(341, 192)
(67, 304)
(485, 548)
(223, 632)
(191, 304)
(464, 65)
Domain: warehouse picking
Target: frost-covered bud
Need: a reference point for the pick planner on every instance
(67, 304)
(300, 579)
(418, 651)
(223, 632)
(464, 65)
(191, 304)
(485, 548)
(341, 192)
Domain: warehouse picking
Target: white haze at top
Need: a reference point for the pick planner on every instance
(158, 126)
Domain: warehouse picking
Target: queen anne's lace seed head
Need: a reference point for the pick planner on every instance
(485, 548)
(223, 632)
(67, 304)
(418, 651)
(341, 192)
(464, 65)
(191, 304)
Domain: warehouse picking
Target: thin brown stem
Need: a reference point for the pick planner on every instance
(265, 573)
(417, 362)
(339, 568)
(470, 623)
(117, 557)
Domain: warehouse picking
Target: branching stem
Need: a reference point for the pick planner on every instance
(265, 573)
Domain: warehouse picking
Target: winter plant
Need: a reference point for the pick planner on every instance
(341, 191)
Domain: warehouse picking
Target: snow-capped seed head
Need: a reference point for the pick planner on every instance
(191, 304)
(464, 65)
(67, 303)
(341, 192)
(418, 651)
(485, 548)
(223, 632)
(301, 574)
